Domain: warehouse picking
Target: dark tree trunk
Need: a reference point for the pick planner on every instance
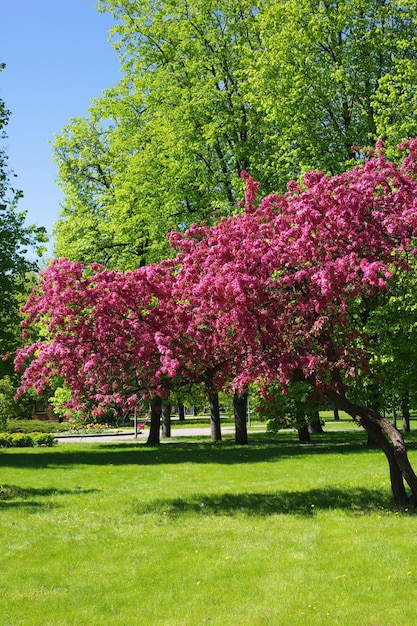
(405, 411)
(166, 419)
(216, 434)
(240, 407)
(302, 429)
(315, 426)
(336, 414)
(156, 407)
(181, 412)
(391, 442)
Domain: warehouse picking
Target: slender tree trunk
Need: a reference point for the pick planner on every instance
(181, 412)
(216, 434)
(240, 407)
(336, 414)
(166, 419)
(302, 429)
(391, 442)
(156, 407)
(405, 410)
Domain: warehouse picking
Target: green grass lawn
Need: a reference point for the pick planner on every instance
(192, 533)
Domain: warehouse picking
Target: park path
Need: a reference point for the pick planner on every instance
(130, 435)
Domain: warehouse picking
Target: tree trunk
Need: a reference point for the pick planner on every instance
(216, 434)
(405, 410)
(166, 419)
(302, 429)
(240, 407)
(336, 414)
(181, 412)
(315, 426)
(391, 442)
(156, 407)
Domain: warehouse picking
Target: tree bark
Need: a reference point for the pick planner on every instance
(391, 442)
(155, 407)
(215, 429)
(315, 426)
(405, 410)
(166, 419)
(181, 412)
(240, 408)
(303, 432)
(336, 414)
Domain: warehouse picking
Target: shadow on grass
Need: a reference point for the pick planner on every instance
(175, 452)
(358, 501)
(30, 497)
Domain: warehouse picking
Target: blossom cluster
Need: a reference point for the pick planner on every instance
(261, 295)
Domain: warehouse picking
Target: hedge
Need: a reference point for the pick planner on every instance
(26, 440)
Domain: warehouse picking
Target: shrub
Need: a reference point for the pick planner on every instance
(35, 426)
(20, 440)
(43, 439)
(26, 440)
(5, 440)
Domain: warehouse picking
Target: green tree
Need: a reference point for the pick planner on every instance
(323, 68)
(18, 242)
(167, 145)
(211, 88)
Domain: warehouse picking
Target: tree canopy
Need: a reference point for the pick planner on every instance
(213, 88)
(262, 295)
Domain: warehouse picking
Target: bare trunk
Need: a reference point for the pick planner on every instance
(391, 442)
(302, 429)
(166, 419)
(156, 407)
(240, 406)
(181, 412)
(405, 410)
(336, 414)
(216, 434)
(315, 426)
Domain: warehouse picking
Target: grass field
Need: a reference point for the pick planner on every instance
(198, 533)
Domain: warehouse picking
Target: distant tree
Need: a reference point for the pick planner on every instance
(19, 246)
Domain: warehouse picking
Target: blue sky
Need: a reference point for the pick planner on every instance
(58, 58)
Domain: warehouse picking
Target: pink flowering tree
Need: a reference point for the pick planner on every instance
(261, 296)
(104, 334)
(270, 291)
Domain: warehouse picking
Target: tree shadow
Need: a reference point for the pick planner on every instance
(175, 452)
(356, 501)
(31, 497)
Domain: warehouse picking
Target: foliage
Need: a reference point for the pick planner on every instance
(7, 403)
(325, 76)
(302, 257)
(10, 408)
(293, 409)
(209, 89)
(167, 144)
(26, 440)
(5, 440)
(17, 243)
(35, 426)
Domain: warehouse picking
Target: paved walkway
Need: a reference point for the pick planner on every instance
(130, 435)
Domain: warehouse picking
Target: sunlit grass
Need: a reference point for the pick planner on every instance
(189, 533)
